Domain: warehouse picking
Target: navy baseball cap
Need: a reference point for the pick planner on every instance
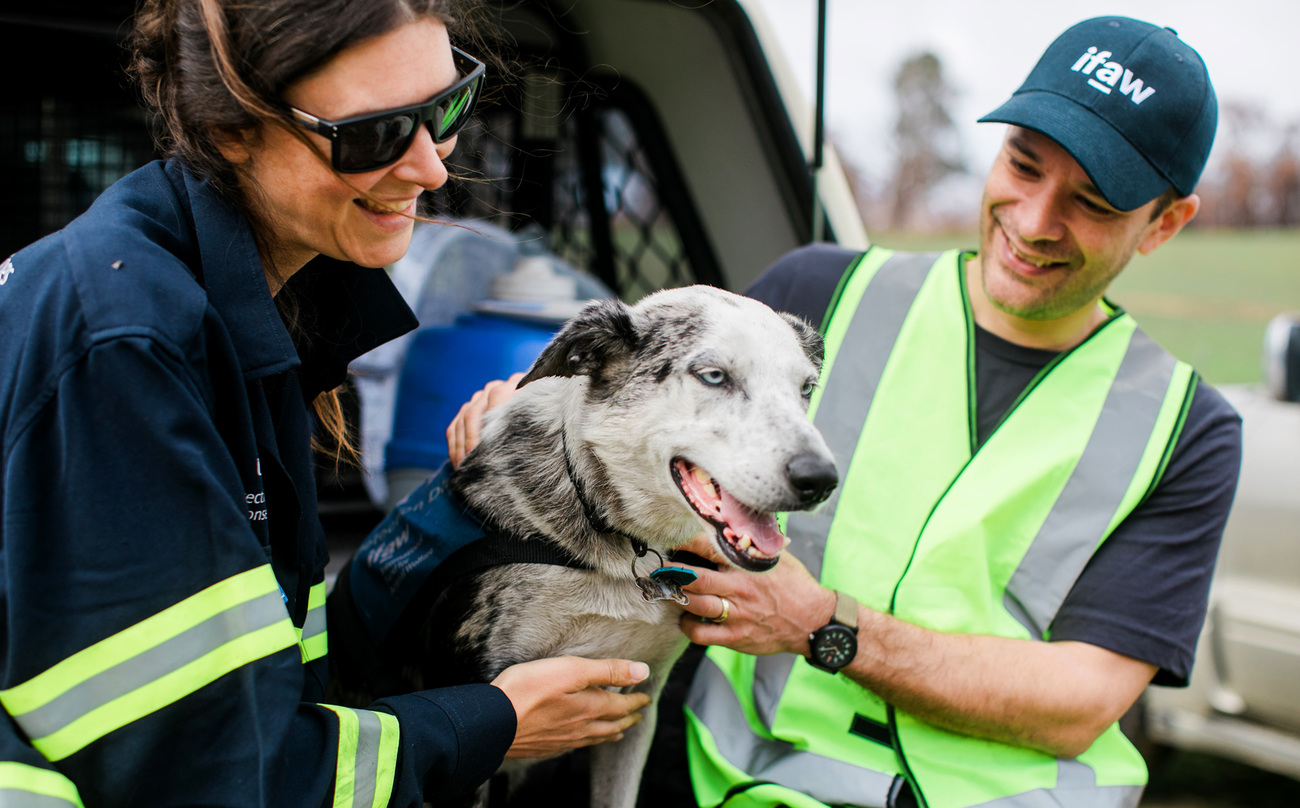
(1130, 102)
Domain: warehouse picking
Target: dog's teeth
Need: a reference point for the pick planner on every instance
(744, 542)
(702, 476)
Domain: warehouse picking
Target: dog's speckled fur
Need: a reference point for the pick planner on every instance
(624, 391)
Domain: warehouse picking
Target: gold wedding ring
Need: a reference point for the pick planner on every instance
(726, 610)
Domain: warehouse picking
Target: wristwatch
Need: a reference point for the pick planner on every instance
(835, 644)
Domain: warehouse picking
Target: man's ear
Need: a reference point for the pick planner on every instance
(600, 335)
(1168, 223)
(233, 144)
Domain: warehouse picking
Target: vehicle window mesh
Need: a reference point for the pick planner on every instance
(62, 155)
(513, 169)
(500, 165)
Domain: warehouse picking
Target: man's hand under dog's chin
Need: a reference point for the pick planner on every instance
(768, 613)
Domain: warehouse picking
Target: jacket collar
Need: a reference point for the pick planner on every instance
(230, 271)
(345, 310)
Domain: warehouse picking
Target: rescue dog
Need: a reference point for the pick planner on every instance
(633, 431)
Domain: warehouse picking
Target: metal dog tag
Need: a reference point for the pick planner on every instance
(655, 589)
(678, 575)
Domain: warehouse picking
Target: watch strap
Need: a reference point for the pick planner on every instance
(846, 610)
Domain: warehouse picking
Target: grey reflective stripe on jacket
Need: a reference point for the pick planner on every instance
(15, 798)
(1080, 516)
(152, 664)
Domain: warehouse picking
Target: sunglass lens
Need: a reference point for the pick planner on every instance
(367, 145)
(453, 112)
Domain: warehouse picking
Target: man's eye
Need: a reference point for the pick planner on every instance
(711, 376)
(1093, 207)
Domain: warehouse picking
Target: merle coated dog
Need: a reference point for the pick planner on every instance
(634, 430)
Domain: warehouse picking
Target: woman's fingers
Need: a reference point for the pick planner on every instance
(466, 428)
(563, 703)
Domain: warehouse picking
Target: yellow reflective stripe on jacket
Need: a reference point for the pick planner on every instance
(152, 664)
(313, 639)
(367, 762)
(24, 786)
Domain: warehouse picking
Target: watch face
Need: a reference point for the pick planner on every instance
(835, 646)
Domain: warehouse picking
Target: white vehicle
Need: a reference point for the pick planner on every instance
(1244, 698)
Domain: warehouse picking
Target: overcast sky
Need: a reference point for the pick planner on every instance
(988, 46)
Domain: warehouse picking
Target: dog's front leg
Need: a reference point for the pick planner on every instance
(616, 767)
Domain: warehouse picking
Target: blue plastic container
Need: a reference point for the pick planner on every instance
(443, 368)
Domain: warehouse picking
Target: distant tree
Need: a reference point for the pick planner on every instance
(1253, 179)
(1284, 181)
(928, 144)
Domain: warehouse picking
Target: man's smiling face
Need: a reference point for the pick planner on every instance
(1050, 244)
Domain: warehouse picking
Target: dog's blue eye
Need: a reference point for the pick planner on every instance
(711, 376)
(808, 388)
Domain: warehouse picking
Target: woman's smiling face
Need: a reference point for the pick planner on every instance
(306, 209)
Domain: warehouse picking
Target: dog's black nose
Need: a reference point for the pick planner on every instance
(813, 477)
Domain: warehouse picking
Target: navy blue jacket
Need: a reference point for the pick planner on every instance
(160, 551)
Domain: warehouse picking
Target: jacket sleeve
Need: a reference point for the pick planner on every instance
(26, 778)
(149, 657)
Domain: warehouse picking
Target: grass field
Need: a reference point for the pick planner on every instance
(1206, 296)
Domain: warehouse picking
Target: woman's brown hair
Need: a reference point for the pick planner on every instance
(213, 68)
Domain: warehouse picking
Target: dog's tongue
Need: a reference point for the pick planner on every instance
(759, 527)
(714, 502)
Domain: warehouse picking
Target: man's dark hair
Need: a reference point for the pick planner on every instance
(1169, 197)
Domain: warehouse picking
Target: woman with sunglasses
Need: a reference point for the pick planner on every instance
(163, 564)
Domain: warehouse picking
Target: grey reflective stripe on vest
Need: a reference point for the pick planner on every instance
(842, 409)
(151, 665)
(1078, 520)
(840, 416)
(1076, 787)
(832, 781)
(771, 672)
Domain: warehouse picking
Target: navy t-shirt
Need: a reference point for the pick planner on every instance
(1144, 593)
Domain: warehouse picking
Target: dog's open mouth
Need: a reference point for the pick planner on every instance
(749, 538)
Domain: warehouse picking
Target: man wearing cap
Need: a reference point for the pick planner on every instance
(1032, 491)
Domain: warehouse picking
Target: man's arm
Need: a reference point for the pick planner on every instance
(1056, 697)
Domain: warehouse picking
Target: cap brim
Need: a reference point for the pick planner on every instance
(1123, 176)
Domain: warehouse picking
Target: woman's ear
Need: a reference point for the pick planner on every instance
(233, 144)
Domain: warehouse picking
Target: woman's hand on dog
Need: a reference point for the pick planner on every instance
(562, 703)
(466, 428)
(769, 613)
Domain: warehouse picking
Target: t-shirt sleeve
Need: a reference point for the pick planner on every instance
(1144, 592)
(803, 281)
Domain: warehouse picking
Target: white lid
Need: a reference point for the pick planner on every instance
(534, 280)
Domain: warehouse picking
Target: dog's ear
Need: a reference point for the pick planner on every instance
(809, 339)
(601, 333)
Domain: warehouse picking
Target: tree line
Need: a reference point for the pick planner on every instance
(1252, 179)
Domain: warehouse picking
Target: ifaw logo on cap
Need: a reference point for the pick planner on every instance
(6, 269)
(1110, 74)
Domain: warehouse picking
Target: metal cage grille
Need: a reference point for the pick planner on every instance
(647, 250)
(62, 155)
(591, 182)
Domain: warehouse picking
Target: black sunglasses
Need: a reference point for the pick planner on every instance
(370, 142)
